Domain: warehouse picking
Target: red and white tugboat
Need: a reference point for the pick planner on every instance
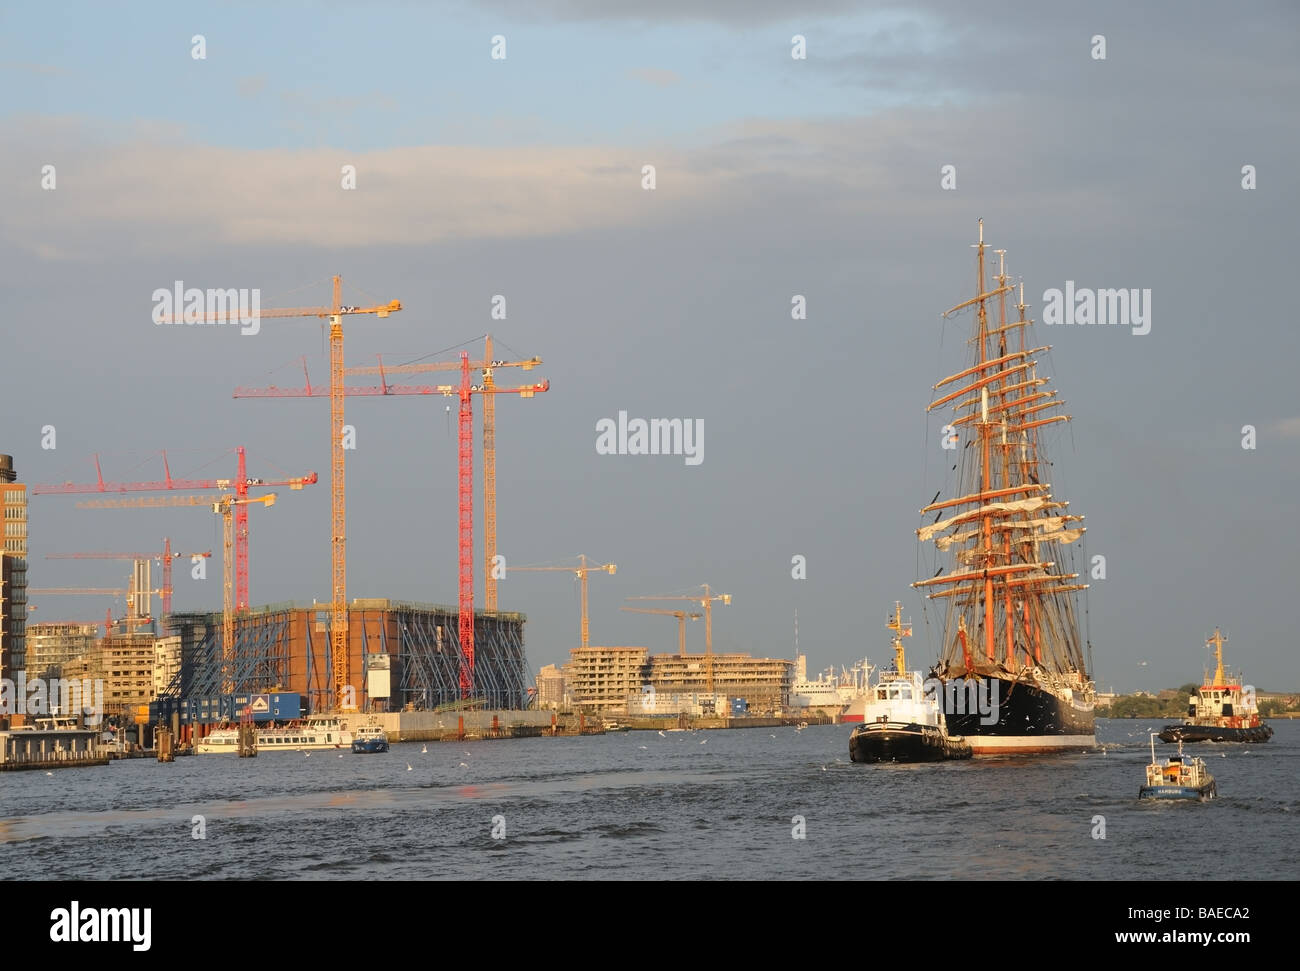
(1219, 711)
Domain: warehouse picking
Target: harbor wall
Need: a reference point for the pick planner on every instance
(432, 726)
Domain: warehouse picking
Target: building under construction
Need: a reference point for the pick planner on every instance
(608, 679)
(286, 647)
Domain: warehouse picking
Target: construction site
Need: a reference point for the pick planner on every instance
(399, 661)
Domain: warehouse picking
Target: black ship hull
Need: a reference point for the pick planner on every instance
(897, 742)
(1212, 733)
(1019, 718)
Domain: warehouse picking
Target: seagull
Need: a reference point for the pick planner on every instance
(340, 755)
(464, 766)
(823, 768)
(424, 750)
(703, 741)
(662, 734)
(774, 736)
(308, 754)
(49, 773)
(642, 748)
(408, 767)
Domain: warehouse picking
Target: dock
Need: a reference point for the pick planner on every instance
(56, 748)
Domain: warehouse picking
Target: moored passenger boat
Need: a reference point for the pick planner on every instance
(315, 732)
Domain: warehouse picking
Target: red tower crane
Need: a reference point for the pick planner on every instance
(488, 366)
(241, 484)
(465, 474)
(166, 556)
(338, 465)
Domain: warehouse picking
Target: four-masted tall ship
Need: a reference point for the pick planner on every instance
(1012, 659)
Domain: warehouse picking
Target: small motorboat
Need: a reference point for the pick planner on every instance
(1177, 777)
(370, 738)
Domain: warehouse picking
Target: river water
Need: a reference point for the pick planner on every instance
(640, 805)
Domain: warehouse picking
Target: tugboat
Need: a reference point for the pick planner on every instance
(370, 738)
(1177, 777)
(1218, 712)
(901, 723)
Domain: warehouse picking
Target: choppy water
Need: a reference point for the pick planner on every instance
(711, 805)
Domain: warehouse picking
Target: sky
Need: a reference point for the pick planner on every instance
(775, 176)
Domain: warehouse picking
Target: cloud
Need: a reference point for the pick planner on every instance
(1287, 427)
(651, 75)
(145, 188)
(714, 11)
(27, 67)
(251, 87)
(332, 106)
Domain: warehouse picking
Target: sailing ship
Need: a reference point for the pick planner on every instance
(902, 721)
(1011, 623)
(1219, 711)
(1177, 777)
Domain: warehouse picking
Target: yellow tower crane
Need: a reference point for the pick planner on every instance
(581, 573)
(133, 619)
(706, 602)
(681, 616)
(338, 500)
(225, 508)
(488, 366)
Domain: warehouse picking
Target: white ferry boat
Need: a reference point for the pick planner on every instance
(316, 732)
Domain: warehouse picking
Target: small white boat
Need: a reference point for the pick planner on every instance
(316, 732)
(1177, 777)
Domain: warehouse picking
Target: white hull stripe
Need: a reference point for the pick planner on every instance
(997, 744)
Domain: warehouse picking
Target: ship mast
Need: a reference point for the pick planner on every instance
(900, 630)
(1005, 531)
(1217, 640)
